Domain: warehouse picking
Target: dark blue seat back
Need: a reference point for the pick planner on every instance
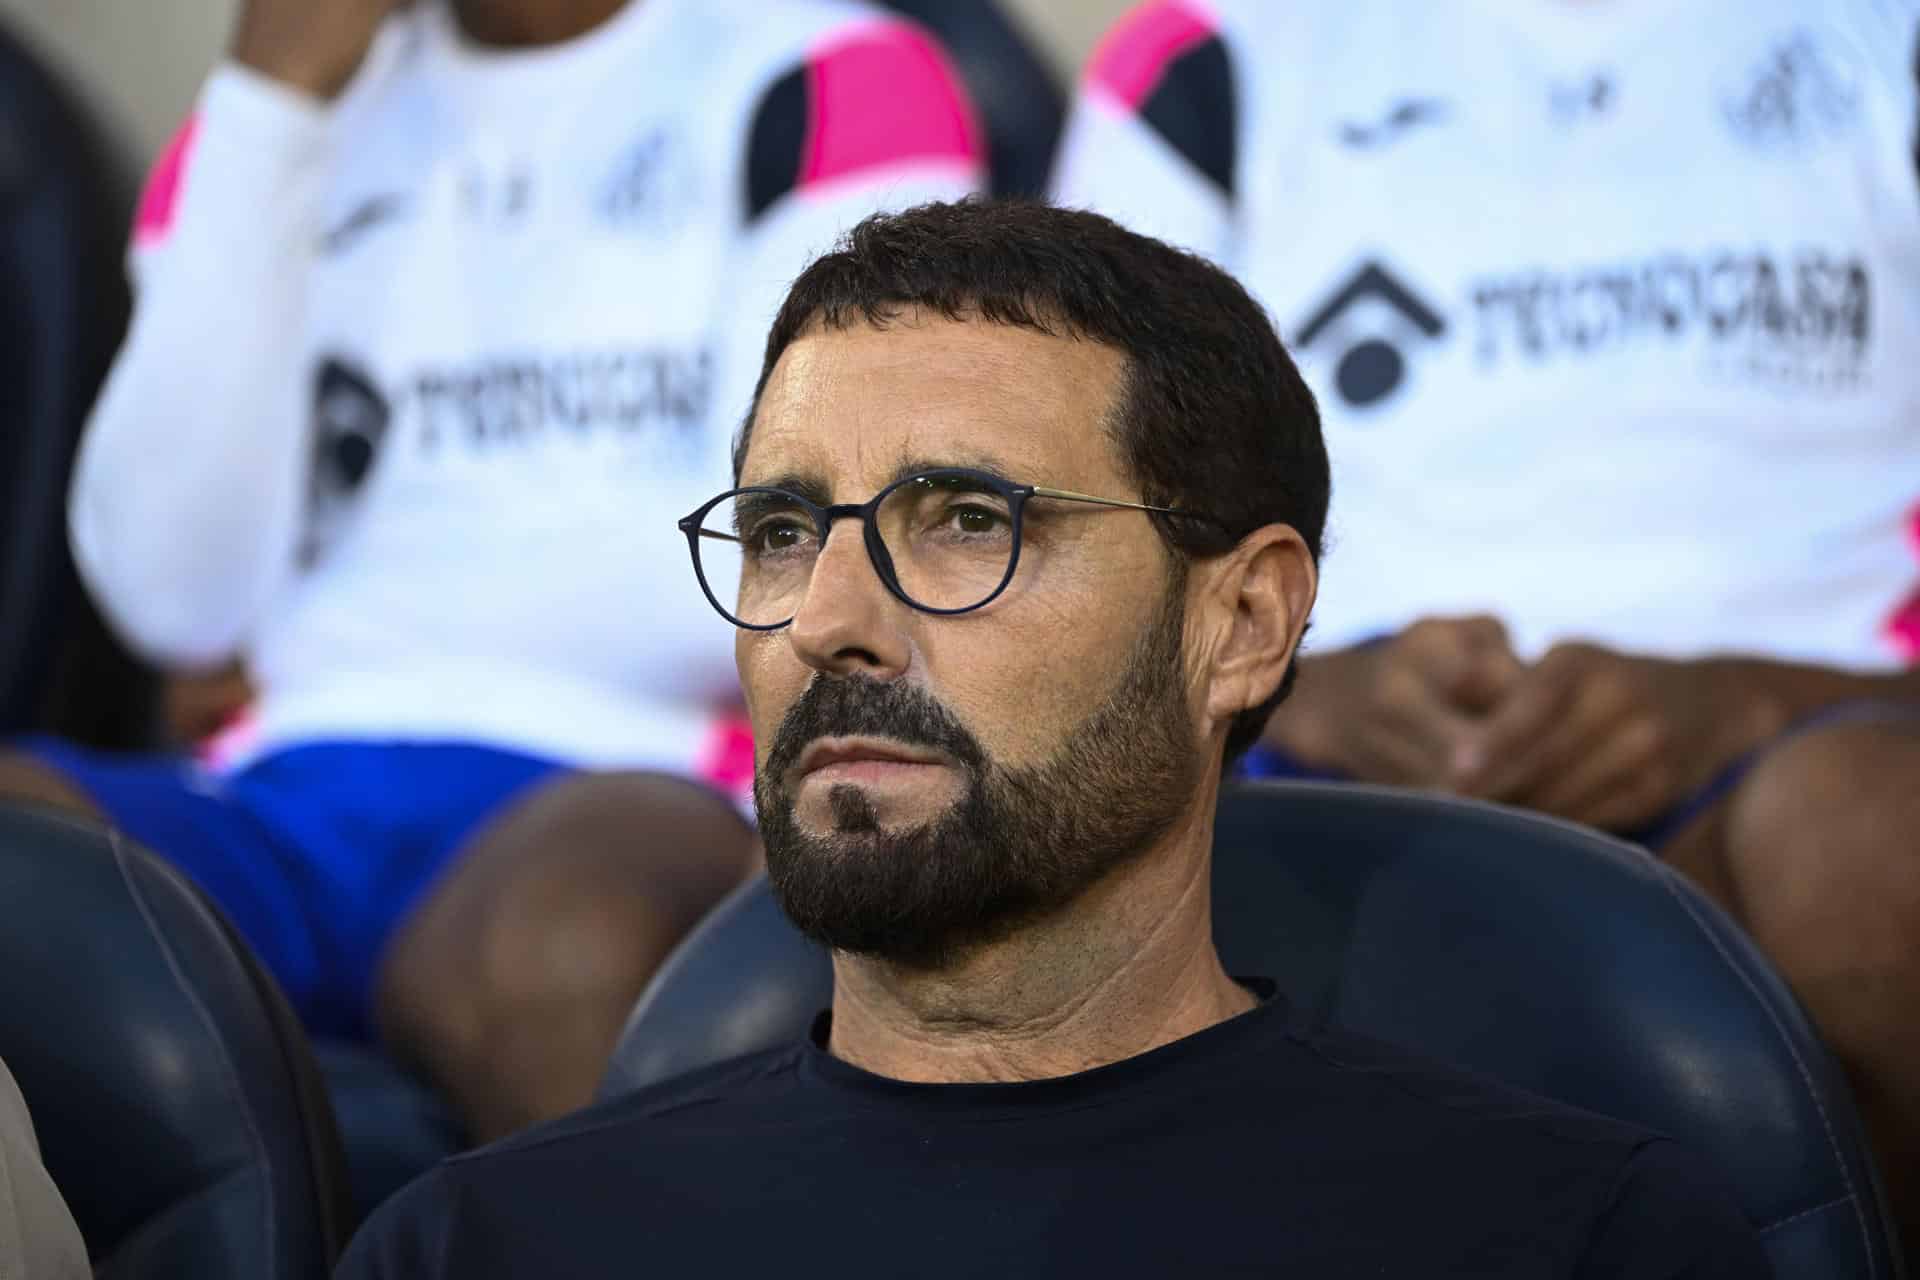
(176, 1102)
(1539, 953)
(62, 309)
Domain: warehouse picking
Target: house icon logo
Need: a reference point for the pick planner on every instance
(1366, 331)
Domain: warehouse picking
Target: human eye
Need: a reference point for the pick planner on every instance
(975, 517)
(973, 521)
(775, 535)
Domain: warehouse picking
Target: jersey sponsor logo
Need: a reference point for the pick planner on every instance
(1401, 119)
(369, 215)
(1795, 321)
(652, 188)
(666, 391)
(1572, 102)
(350, 421)
(1800, 92)
(1804, 318)
(499, 195)
(1365, 330)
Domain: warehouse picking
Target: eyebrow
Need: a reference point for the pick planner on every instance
(810, 485)
(802, 484)
(976, 462)
(750, 508)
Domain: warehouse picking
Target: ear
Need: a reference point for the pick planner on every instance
(1256, 599)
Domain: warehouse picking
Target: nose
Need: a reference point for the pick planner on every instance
(848, 622)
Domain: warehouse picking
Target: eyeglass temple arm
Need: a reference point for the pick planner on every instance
(1068, 495)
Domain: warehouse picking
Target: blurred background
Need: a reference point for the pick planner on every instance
(130, 71)
(139, 64)
(1650, 347)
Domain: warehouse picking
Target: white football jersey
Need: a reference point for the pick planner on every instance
(419, 383)
(1612, 306)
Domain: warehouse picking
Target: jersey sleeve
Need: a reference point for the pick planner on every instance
(873, 117)
(1153, 137)
(1670, 1219)
(187, 492)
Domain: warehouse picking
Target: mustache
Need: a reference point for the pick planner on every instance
(847, 706)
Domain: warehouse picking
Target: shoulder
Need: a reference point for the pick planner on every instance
(1668, 1215)
(1356, 1073)
(841, 92)
(1159, 49)
(497, 1210)
(1632, 1202)
(1253, 39)
(1167, 63)
(688, 1103)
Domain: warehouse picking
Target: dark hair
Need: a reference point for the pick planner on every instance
(1213, 415)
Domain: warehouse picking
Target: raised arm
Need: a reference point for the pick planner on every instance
(189, 488)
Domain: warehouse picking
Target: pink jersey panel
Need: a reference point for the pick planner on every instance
(160, 198)
(1135, 55)
(885, 96)
(1903, 628)
(726, 758)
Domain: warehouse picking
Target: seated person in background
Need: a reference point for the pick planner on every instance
(197, 708)
(1615, 307)
(992, 717)
(38, 1238)
(445, 311)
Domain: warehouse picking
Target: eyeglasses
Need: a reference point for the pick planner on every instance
(944, 542)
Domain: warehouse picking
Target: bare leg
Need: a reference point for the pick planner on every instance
(511, 983)
(1818, 854)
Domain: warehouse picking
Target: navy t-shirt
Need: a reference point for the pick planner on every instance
(1256, 1147)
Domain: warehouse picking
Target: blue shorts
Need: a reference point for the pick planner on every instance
(315, 853)
(1265, 761)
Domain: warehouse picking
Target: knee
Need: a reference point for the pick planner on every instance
(551, 923)
(575, 959)
(25, 780)
(1823, 851)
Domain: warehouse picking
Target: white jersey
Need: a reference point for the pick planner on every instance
(1612, 307)
(419, 383)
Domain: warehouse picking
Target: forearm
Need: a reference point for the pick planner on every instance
(188, 488)
(1764, 697)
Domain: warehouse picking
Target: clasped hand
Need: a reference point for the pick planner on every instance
(1600, 737)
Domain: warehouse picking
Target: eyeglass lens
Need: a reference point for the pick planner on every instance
(949, 539)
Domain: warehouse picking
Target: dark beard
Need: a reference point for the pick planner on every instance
(1019, 845)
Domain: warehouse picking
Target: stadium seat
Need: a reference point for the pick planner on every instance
(177, 1104)
(63, 304)
(1536, 952)
(1020, 106)
(393, 1125)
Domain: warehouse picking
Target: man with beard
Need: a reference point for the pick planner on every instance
(1025, 538)
(438, 302)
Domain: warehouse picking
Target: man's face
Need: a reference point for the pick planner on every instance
(927, 783)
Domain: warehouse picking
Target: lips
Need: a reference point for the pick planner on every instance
(825, 752)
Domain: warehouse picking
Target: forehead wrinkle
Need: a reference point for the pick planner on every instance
(865, 406)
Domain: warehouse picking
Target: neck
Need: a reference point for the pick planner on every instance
(513, 24)
(1129, 967)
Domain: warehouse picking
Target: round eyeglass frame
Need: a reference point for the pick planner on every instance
(1014, 495)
